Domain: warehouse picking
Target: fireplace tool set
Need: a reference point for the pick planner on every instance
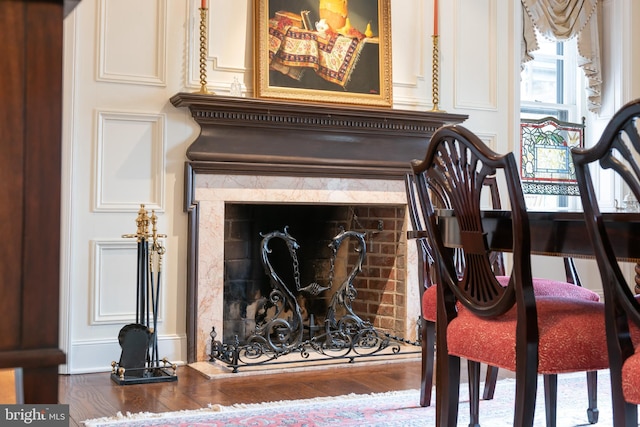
(139, 360)
(280, 326)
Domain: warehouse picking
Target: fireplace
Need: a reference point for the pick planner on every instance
(315, 269)
(264, 155)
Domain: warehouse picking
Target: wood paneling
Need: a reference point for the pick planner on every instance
(30, 143)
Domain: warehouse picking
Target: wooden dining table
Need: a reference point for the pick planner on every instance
(555, 233)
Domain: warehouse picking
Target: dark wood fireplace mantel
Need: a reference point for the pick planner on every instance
(254, 136)
(264, 137)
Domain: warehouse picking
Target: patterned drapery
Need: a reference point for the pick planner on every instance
(561, 20)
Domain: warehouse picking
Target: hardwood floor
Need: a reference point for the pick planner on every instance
(95, 395)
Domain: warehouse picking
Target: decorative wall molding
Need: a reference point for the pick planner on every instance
(66, 197)
(114, 266)
(491, 139)
(114, 273)
(130, 154)
(114, 41)
(476, 55)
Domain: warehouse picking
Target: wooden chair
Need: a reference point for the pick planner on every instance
(617, 150)
(428, 298)
(483, 318)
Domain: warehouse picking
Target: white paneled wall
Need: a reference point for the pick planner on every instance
(112, 261)
(125, 143)
(130, 162)
(476, 55)
(230, 45)
(124, 146)
(126, 54)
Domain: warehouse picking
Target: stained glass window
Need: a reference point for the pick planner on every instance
(546, 166)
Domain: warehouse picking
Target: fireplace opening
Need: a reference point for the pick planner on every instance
(380, 285)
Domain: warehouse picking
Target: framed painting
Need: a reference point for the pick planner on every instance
(333, 51)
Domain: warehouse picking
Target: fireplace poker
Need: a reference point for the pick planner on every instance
(158, 250)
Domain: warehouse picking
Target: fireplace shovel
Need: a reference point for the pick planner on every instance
(134, 340)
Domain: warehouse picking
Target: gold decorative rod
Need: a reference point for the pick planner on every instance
(435, 75)
(203, 49)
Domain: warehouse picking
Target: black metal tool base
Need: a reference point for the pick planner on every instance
(151, 375)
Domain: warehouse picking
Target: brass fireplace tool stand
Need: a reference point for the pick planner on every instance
(139, 361)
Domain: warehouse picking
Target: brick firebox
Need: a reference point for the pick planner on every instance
(381, 285)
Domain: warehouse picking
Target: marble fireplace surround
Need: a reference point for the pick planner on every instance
(264, 151)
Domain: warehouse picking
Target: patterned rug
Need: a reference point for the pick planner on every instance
(379, 410)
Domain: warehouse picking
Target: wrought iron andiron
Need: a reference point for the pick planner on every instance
(280, 329)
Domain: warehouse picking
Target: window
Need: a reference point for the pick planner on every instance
(549, 86)
(549, 83)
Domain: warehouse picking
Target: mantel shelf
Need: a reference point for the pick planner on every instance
(249, 135)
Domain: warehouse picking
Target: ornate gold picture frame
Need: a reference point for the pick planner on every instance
(333, 51)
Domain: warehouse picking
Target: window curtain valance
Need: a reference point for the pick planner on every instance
(561, 20)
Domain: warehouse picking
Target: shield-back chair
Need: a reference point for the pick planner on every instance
(428, 298)
(617, 150)
(485, 319)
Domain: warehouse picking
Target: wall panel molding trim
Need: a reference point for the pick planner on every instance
(113, 302)
(476, 55)
(491, 139)
(132, 39)
(130, 162)
(69, 124)
(226, 21)
(114, 272)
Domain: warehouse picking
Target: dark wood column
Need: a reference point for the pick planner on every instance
(30, 162)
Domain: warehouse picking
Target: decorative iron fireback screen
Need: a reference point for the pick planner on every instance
(546, 166)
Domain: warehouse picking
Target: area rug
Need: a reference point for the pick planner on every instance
(379, 410)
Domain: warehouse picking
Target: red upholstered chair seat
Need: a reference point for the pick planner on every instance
(429, 301)
(630, 379)
(564, 326)
(631, 367)
(541, 287)
(554, 288)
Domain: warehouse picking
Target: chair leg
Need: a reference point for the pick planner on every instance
(428, 361)
(474, 393)
(592, 390)
(551, 398)
(625, 414)
(447, 390)
(490, 382)
(526, 387)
